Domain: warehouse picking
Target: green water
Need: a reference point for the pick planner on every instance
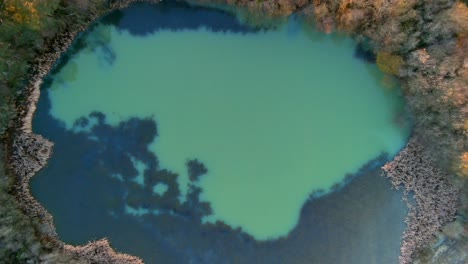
(273, 115)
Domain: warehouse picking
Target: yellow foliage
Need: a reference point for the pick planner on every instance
(389, 63)
(24, 12)
(18, 18)
(10, 8)
(463, 166)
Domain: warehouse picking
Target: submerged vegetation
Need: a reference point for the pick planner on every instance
(422, 43)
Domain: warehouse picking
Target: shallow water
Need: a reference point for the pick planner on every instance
(168, 118)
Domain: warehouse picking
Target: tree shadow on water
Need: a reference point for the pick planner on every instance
(355, 223)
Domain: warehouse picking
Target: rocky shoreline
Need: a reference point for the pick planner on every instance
(412, 169)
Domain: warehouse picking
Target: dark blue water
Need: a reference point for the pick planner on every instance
(361, 222)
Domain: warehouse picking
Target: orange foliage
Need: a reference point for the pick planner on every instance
(348, 17)
(459, 16)
(463, 166)
(323, 17)
(286, 6)
(24, 12)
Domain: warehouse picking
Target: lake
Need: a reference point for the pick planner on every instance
(187, 136)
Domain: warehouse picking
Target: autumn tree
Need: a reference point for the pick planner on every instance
(32, 13)
(389, 63)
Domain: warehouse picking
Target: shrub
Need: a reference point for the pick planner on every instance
(389, 63)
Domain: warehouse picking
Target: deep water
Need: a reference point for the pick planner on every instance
(186, 136)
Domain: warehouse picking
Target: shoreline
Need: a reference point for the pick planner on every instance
(412, 169)
(28, 153)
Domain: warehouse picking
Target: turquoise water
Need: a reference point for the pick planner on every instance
(273, 115)
(186, 136)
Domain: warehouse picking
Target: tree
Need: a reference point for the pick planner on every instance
(31, 13)
(389, 63)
